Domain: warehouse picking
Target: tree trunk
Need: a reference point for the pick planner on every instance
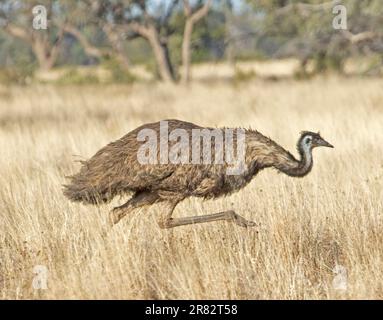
(161, 55)
(117, 45)
(191, 18)
(186, 55)
(45, 52)
(45, 59)
(121, 56)
(230, 54)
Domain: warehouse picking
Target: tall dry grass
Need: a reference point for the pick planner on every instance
(331, 217)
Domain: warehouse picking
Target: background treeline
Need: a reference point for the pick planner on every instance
(167, 37)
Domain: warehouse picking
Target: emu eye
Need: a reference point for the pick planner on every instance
(308, 140)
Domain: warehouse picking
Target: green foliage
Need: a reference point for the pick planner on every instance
(302, 74)
(114, 74)
(243, 76)
(309, 24)
(326, 62)
(207, 42)
(375, 66)
(20, 74)
(16, 61)
(208, 39)
(13, 76)
(118, 73)
(74, 77)
(139, 51)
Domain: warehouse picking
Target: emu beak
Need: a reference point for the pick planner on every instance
(323, 143)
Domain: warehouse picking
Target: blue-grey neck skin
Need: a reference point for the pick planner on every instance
(301, 167)
(305, 164)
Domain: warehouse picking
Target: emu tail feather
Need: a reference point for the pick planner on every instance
(80, 190)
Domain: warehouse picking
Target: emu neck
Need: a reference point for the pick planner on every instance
(265, 153)
(301, 167)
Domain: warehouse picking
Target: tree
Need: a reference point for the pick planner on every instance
(305, 29)
(130, 19)
(143, 19)
(17, 18)
(156, 30)
(80, 15)
(192, 16)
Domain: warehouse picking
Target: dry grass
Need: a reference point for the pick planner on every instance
(332, 216)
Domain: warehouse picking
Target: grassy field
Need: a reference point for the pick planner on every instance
(332, 217)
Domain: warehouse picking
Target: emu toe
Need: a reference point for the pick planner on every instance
(241, 221)
(114, 217)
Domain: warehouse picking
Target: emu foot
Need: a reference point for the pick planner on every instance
(241, 221)
(114, 217)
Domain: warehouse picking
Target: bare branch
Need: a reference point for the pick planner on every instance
(199, 14)
(57, 43)
(355, 38)
(138, 28)
(90, 49)
(187, 8)
(306, 8)
(115, 40)
(18, 32)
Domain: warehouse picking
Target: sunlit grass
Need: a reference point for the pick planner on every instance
(331, 217)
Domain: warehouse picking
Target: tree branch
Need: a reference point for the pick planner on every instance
(306, 8)
(200, 13)
(355, 38)
(89, 49)
(18, 32)
(56, 45)
(187, 8)
(138, 28)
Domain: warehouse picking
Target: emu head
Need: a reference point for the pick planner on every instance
(310, 140)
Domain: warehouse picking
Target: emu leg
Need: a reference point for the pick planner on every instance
(230, 215)
(138, 200)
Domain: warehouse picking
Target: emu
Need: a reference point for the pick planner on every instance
(115, 170)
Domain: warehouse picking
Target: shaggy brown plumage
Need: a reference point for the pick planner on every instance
(115, 170)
